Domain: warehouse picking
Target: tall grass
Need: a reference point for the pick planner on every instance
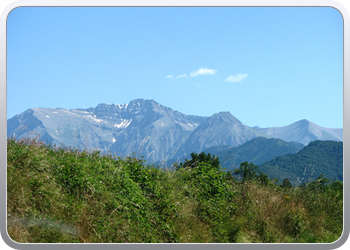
(67, 195)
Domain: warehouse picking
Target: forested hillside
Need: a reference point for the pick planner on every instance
(319, 157)
(257, 151)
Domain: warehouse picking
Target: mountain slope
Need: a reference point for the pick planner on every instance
(257, 151)
(319, 157)
(303, 131)
(141, 126)
(218, 130)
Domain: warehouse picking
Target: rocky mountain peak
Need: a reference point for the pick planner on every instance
(225, 117)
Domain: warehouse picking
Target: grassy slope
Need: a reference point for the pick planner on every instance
(64, 195)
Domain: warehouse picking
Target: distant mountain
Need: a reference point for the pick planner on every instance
(319, 157)
(257, 151)
(148, 129)
(218, 130)
(304, 132)
(141, 126)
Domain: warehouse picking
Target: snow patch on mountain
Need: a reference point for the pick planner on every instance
(95, 119)
(145, 140)
(123, 124)
(80, 111)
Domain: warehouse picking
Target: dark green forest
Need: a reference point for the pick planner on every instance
(257, 151)
(319, 157)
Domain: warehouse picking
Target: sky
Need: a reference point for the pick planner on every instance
(268, 66)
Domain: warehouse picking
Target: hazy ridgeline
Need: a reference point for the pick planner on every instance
(67, 195)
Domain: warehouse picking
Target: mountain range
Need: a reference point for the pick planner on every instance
(150, 129)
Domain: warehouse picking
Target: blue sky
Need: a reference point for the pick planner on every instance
(268, 66)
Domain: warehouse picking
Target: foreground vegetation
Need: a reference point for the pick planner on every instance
(65, 195)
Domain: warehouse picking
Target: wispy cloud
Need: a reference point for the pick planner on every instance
(236, 78)
(181, 76)
(203, 71)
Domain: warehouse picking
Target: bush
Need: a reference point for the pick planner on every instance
(248, 171)
(286, 183)
(201, 158)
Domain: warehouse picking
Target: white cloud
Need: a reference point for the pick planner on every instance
(169, 76)
(203, 71)
(181, 76)
(236, 78)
